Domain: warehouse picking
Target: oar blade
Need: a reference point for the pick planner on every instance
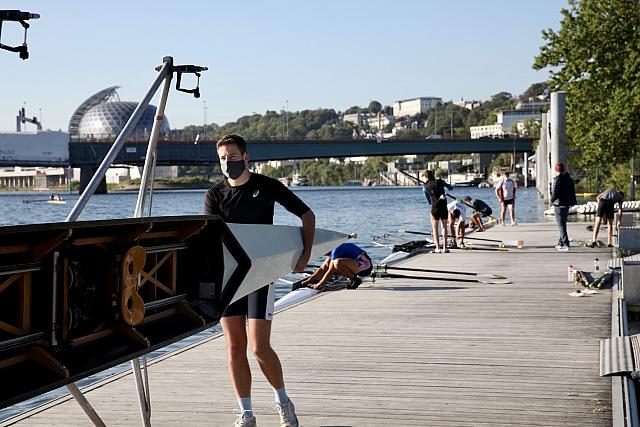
(496, 282)
(515, 243)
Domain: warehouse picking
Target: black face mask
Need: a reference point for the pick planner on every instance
(232, 168)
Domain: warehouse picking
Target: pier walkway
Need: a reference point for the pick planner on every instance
(407, 352)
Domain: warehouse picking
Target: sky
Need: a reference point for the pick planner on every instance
(270, 55)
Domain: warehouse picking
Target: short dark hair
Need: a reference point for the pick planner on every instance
(232, 138)
(507, 173)
(456, 213)
(430, 176)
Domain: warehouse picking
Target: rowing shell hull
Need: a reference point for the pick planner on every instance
(274, 251)
(294, 297)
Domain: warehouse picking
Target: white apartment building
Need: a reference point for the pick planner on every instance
(486, 131)
(411, 107)
(508, 117)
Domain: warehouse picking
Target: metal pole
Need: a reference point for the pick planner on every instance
(526, 169)
(54, 300)
(85, 405)
(145, 407)
(558, 133)
(119, 143)
(153, 142)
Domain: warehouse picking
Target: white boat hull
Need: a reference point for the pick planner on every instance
(274, 251)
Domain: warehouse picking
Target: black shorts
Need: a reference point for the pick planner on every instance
(256, 305)
(508, 201)
(439, 211)
(605, 209)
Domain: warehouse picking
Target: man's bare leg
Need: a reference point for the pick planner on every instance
(344, 266)
(260, 342)
(596, 228)
(435, 232)
(235, 335)
(316, 275)
(609, 231)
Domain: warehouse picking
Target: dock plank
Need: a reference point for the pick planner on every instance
(408, 352)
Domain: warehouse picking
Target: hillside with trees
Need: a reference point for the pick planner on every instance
(327, 123)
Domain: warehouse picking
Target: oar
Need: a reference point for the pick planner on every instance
(35, 201)
(442, 279)
(517, 243)
(385, 267)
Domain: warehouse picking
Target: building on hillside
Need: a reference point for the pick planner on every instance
(508, 117)
(469, 105)
(379, 121)
(484, 131)
(355, 118)
(531, 105)
(411, 107)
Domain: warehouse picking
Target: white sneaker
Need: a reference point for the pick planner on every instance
(559, 247)
(287, 414)
(245, 420)
(436, 251)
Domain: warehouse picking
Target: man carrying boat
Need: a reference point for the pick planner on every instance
(606, 207)
(347, 260)
(248, 198)
(480, 210)
(434, 190)
(457, 212)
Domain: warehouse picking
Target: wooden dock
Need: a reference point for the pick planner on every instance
(407, 352)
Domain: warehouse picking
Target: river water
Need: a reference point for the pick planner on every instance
(367, 211)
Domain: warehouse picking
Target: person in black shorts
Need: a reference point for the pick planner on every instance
(434, 191)
(249, 198)
(606, 209)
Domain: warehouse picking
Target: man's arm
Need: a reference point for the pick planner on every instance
(308, 231)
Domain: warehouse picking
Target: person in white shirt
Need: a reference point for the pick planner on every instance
(506, 194)
(457, 211)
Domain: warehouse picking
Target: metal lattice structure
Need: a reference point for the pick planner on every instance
(107, 119)
(100, 97)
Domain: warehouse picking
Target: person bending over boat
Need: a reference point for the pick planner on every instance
(457, 212)
(606, 207)
(347, 260)
(434, 190)
(480, 210)
(249, 198)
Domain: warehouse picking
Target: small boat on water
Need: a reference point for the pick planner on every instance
(299, 180)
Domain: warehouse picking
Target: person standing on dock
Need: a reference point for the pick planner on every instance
(506, 194)
(457, 212)
(249, 198)
(606, 207)
(563, 197)
(480, 210)
(434, 190)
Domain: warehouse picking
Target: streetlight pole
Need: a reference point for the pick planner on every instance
(204, 126)
(286, 115)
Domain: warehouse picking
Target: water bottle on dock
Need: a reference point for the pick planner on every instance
(570, 273)
(596, 265)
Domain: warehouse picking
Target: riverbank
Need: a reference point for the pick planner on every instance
(407, 352)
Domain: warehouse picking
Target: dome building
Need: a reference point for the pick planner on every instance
(103, 115)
